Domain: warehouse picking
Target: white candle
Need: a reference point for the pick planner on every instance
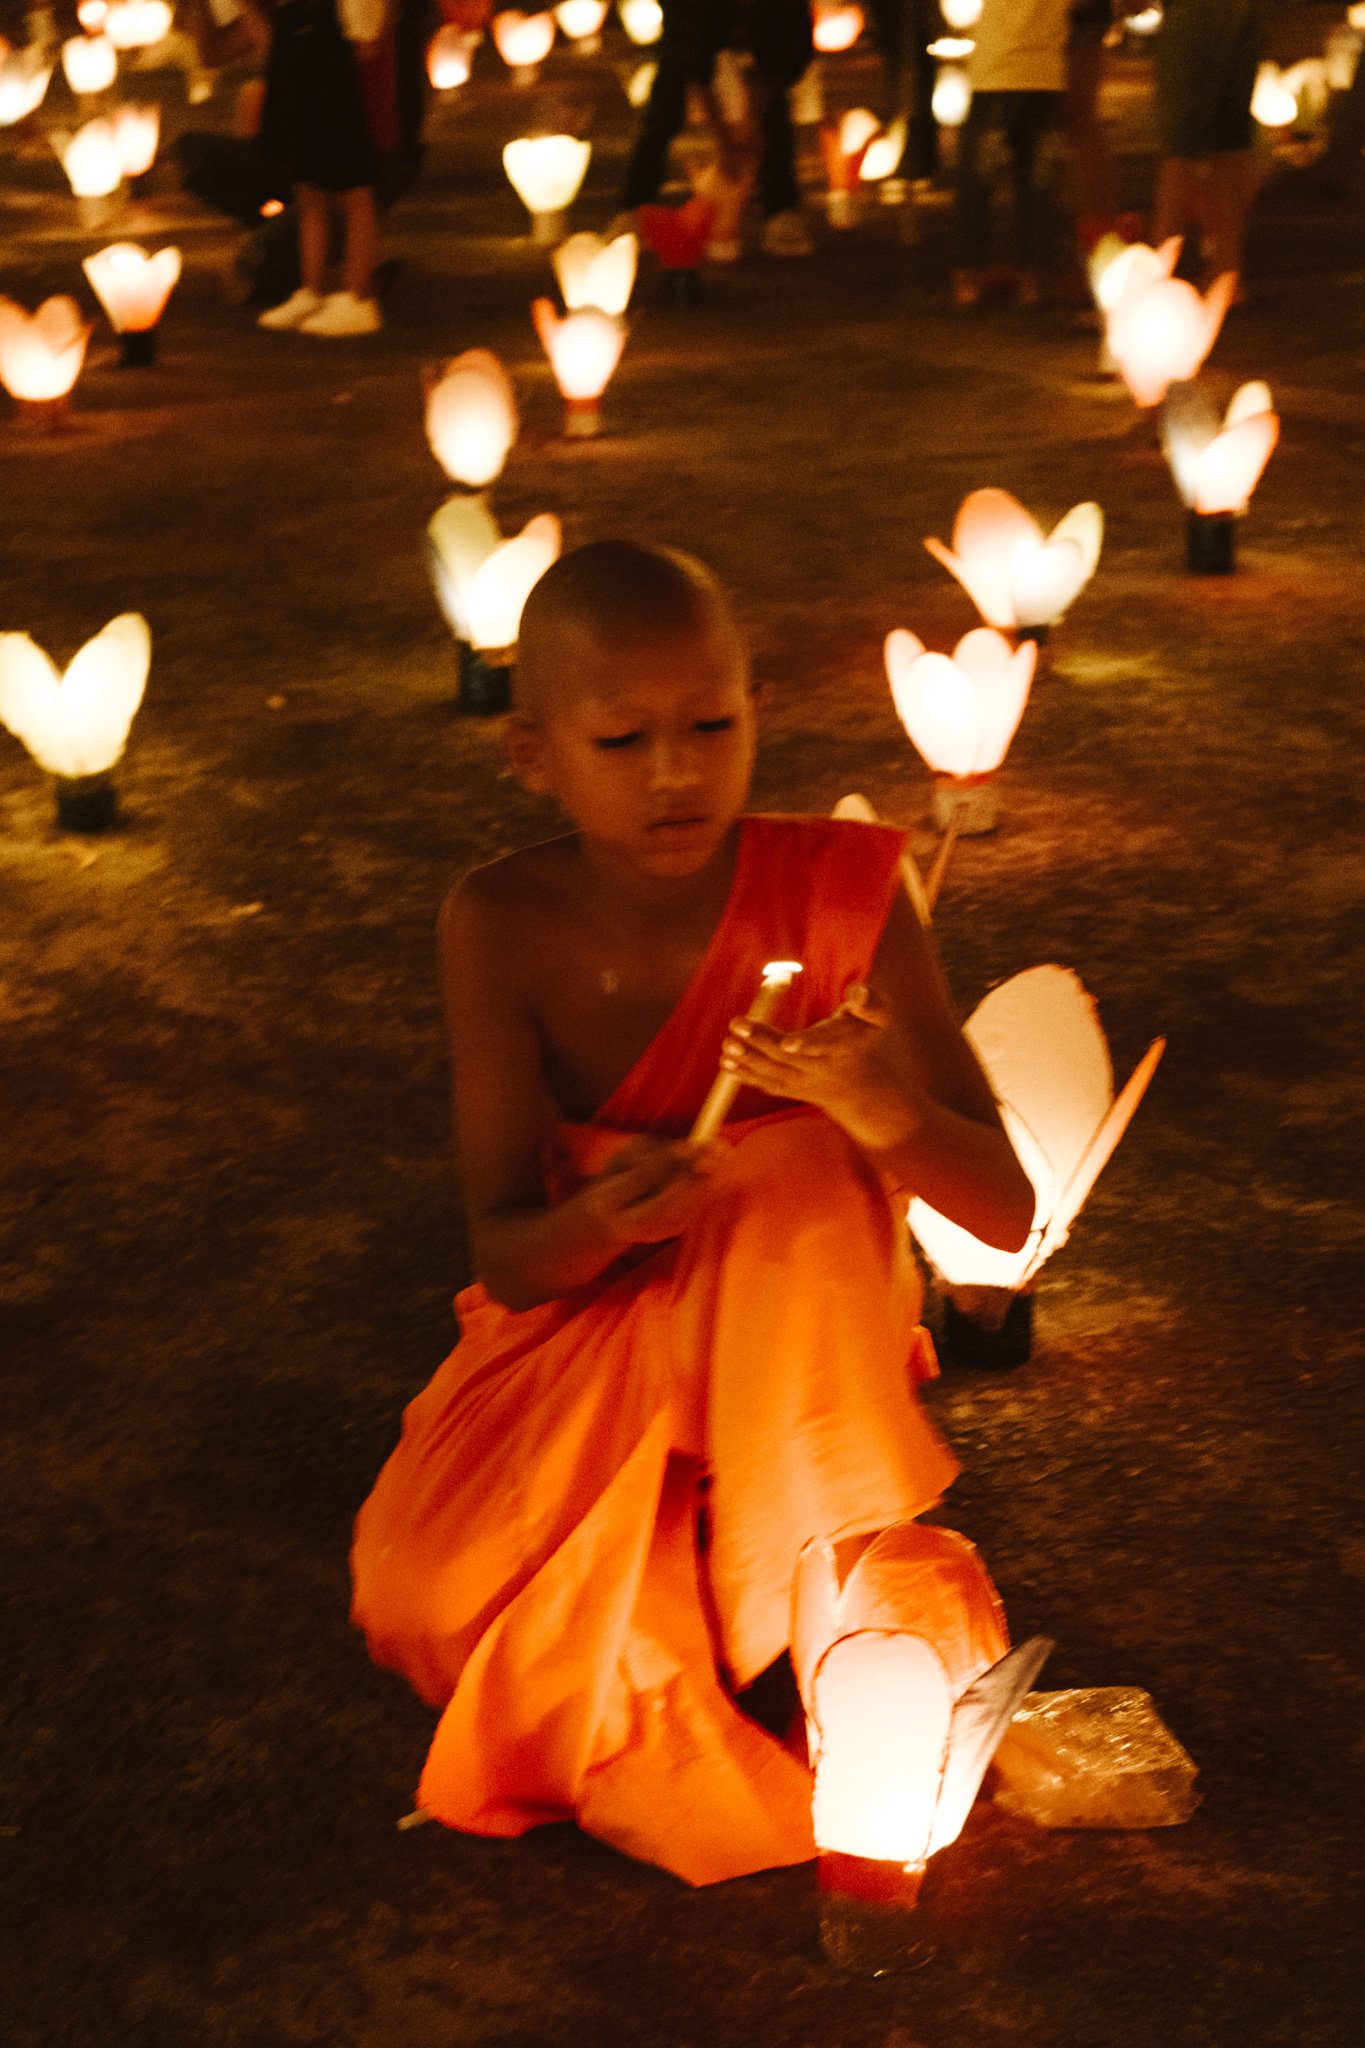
(777, 976)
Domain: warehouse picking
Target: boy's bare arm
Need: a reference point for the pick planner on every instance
(894, 1070)
(525, 1251)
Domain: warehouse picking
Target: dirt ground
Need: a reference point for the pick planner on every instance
(231, 1223)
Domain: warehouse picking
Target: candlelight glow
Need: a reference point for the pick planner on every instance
(1216, 465)
(91, 159)
(41, 353)
(594, 272)
(1273, 105)
(546, 170)
(1146, 21)
(952, 49)
(1160, 336)
(471, 418)
(640, 84)
(450, 57)
(583, 348)
(90, 63)
(91, 15)
(482, 581)
(882, 156)
(1014, 574)
(581, 19)
(24, 79)
(642, 20)
(1038, 1038)
(138, 24)
(961, 14)
(76, 724)
(1120, 270)
(952, 96)
(960, 713)
(835, 26)
(856, 130)
(132, 286)
(523, 40)
(137, 131)
(781, 973)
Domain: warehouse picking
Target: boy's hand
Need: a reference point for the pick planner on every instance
(843, 1065)
(652, 1189)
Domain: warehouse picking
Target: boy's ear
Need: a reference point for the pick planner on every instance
(525, 754)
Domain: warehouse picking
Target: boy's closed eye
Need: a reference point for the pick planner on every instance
(610, 743)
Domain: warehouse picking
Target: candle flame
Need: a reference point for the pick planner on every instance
(779, 973)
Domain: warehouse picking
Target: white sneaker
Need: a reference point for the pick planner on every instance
(786, 234)
(343, 313)
(297, 308)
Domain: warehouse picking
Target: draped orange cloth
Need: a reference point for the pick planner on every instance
(529, 1556)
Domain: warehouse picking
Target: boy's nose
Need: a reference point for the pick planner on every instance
(672, 765)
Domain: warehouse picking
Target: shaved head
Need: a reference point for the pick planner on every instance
(612, 596)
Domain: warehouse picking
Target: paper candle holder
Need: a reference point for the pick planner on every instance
(90, 63)
(450, 57)
(592, 271)
(546, 172)
(1217, 465)
(41, 355)
(76, 725)
(24, 79)
(471, 417)
(1020, 579)
(961, 713)
(523, 41)
(584, 349)
(482, 583)
(836, 25)
(133, 287)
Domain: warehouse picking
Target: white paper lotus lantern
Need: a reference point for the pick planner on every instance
(595, 272)
(76, 725)
(1355, 15)
(1145, 22)
(91, 159)
(581, 20)
(640, 84)
(91, 14)
(1217, 465)
(138, 24)
(642, 20)
(584, 349)
(882, 156)
(90, 63)
(1121, 270)
(960, 714)
(1161, 335)
(133, 287)
(482, 583)
(952, 49)
(450, 57)
(1017, 577)
(471, 418)
(961, 14)
(24, 79)
(546, 172)
(137, 131)
(835, 25)
(1273, 105)
(41, 353)
(951, 100)
(523, 40)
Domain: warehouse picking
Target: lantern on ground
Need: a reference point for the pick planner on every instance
(952, 96)
(901, 1659)
(1160, 335)
(584, 349)
(1273, 105)
(1217, 465)
(843, 145)
(138, 24)
(1039, 1040)
(961, 14)
(952, 49)
(90, 63)
(133, 288)
(546, 172)
(91, 14)
(471, 418)
(91, 159)
(76, 725)
(642, 20)
(960, 714)
(523, 41)
(24, 79)
(581, 21)
(594, 272)
(640, 83)
(41, 354)
(836, 25)
(1017, 577)
(450, 57)
(137, 131)
(482, 582)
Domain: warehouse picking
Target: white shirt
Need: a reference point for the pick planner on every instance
(1020, 46)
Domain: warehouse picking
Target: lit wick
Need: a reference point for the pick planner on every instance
(777, 975)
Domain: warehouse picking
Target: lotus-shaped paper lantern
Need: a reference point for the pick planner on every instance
(642, 20)
(882, 156)
(138, 24)
(581, 20)
(482, 582)
(961, 14)
(952, 49)
(92, 14)
(1341, 58)
(90, 63)
(1161, 335)
(594, 272)
(137, 131)
(1217, 465)
(902, 1663)
(76, 725)
(91, 159)
(471, 418)
(1144, 22)
(24, 79)
(41, 353)
(640, 83)
(835, 25)
(133, 287)
(450, 57)
(1120, 270)
(546, 172)
(1273, 104)
(584, 349)
(952, 96)
(843, 145)
(523, 40)
(961, 713)
(1018, 578)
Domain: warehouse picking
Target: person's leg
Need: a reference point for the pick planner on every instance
(780, 39)
(972, 198)
(1231, 185)
(362, 245)
(1027, 123)
(692, 34)
(314, 231)
(1179, 197)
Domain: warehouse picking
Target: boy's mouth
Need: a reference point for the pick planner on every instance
(681, 821)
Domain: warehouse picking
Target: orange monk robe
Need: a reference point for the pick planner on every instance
(528, 1557)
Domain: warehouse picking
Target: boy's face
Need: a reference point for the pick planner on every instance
(649, 748)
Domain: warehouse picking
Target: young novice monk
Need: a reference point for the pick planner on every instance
(656, 1324)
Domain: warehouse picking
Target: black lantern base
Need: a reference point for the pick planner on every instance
(680, 287)
(867, 1926)
(86, 803)
(988, 1333)
(137, 348)
(1211, 543)
(1038, 634)
(485, 684)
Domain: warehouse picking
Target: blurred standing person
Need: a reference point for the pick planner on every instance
(1018, 78)
(1207, 56)
(904, 30)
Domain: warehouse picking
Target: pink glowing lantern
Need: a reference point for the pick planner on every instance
(1020, 579)
(523, 40)
(137, 131)
(843, 145)
(836, 26)
(450, 57)
(90, 63)
(482, 584)
(138, 24)
(76, 725)
(545, 172)
(584, 349)
(24, 79)
(593, 272)
(471, 418)
(1160, 336)
(1217, 465)
(960, 714)
(133, 287)
(41, 353)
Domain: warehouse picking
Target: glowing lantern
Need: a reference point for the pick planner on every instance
(523, 40)
(1018, 578)
(133, 288)
(471, 418)
(76, 725)
(1160, 336)
(584, 349)
(91, 15)
(952, 49)
(1217, 466)
(90, 63)
(1342, 57)
(835, 26)
(482, 582)
(1145, 22)
(961, 14)
(1273, 105)
(1040, 1043)
(640, 84)
(91, 160)
(581, 20)
(24, 79)
(843, 148)
(546, 172)
(960, 714)
(642, 20)
(137, 131)
(41, 353)
(952, 96)
(138, 24)
(595, 272)
(1355, 15)
(898, 1657)
(450, 57)
(1119, 270)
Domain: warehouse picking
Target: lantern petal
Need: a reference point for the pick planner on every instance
(503, 582)
(102, 689)
(1038, 1036)
(1247, 401)
(1097, 1153)
(884, 1708)
(30, 702)
(1230, 467)
(1002, 676)
(461, 536)
(990, 529)
(990, 598)
(936, 703)
(980, 1719)
(1047, 581)
(1083, 524)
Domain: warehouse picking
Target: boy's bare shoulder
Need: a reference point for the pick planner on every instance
(518, 889)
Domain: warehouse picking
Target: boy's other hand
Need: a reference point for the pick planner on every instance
(652, 1189)
(844, 1065)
